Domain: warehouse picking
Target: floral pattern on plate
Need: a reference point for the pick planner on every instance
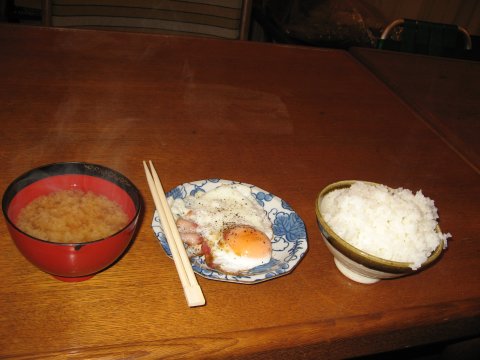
(289, 244)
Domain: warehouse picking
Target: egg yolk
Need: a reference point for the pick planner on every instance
(247, 241)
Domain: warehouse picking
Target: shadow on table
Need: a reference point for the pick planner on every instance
(466, 349)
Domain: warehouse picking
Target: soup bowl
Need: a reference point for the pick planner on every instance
(66, 261)
(356, 264)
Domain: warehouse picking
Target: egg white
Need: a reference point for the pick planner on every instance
(226, 260)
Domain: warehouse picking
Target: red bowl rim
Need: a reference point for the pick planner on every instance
(137, 201)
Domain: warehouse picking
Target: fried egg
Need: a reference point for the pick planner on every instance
(227, 226)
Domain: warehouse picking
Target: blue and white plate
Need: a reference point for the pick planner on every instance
(289, 244)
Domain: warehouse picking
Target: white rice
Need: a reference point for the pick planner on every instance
(393, 224)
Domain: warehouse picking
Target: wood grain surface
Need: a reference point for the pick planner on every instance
(443, 90)
(288, 119)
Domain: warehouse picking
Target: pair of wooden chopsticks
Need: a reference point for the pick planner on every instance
(193, 292)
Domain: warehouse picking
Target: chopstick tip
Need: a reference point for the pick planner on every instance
(194, 296)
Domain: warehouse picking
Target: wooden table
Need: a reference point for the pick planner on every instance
(288, 119)
(444, 91)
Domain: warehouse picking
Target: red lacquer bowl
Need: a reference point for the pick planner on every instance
(72, 261)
